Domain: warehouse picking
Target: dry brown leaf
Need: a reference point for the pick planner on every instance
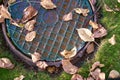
(96, 64)
(6, 63)
(30, 25)
(1, 19)
(21, 77)
(69, 67)
(114, 74)
(42, 65)
(85, 34)
(95, 73)
(68, 17)
(90, 48)
(30, 36)
(11, 1)
(93, 24)
(51, 69)
(77, 77)
(47, 4)
(107, 8)
(82, 11)
(35, 57)
(112, 40)
(100, 32)
(29, 13)
(69, 54)
(89, 78)
(102, 76)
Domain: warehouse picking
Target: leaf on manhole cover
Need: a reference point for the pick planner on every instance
(6, 63)
(21, 77)
(69, 67)
(85, 34)
(35, 57)
(112, 40)
(82, 11)
(30, 25)
(68, 17)
(28, 13)
(30, 36)
(47, 4)
(69, 54)
(77, 77)
(11, 1)
(93, 24)
(42, 65)
(107, 8)
(17, 24)
(90, 48)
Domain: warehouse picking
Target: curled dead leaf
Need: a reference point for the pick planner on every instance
(47, 4)
(102, 76)
(93, 24)
(6, 63)
(77, 77)
(42, 65)
(30, 36)
(112, 40)
(95, 73)
(114, 74)
(82, 11)
(69, 67)
(96, 64)
(21, 77)
(30, 25)
(85, 34)
(35, 57)
(107, 8)
(69, 54)
(100, 32)
(90, 48)
(29, 13)
(68, 17)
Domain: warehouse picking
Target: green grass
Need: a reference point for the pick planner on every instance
(106, 54)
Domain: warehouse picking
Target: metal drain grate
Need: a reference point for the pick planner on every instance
(53, 34)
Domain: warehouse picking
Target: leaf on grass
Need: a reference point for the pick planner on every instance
(118, 1)
(68, 17)
(95, 73)
(51, 69)
(82, 11)
(35, 57)
(114, 74)
(30, 25)
(100, 32)
(77, 77)
(29, 13)
(102, 76)
(11, 1)
(42, 65)
(30, 36)
(69, 67)
(21, 77)
(90, 48)
(6, 63)
(96, 64)
(89, 78)
(112, 40)
(85, 34)
(93, 24)
(107, 8)
(47, 4)
(69, 54)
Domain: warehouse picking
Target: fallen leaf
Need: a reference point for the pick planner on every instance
(95, 73)
(112, 40)
(29, 13)
(85, 34)
(89, 78)
(93, 24)
(51, 69)
(69, 54)
(114, 74)
(77, 77)
(21, 77)
(6, 63)
(30, 25)
(90, 48)
(42, 65)
(69, 67)
(102, 76)
(118, 1)
(82, 11)
(4, 12)
(30, 36)
(107, 8)
(17, 24)
(96, 64)
(68, 17)
(100, 32)
(11, 1)
(35, 57)
(1, 19)
(47, 4)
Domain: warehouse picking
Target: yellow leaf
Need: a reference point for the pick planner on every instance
(93, 24)
(21, 77)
